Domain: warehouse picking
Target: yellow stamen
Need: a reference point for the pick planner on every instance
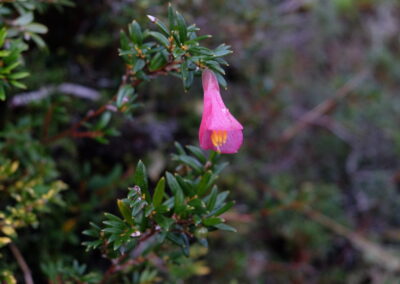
(218, 138)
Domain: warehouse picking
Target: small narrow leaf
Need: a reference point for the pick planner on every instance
(124, 92)
(171, 17)
(139, 64)
(2, 93)
(159, 192)
(212, 221)
(135, 32)
(157, 61)
(181, 25)
(197, 152)
(125, 211)
(159, 23)
(140, 179)
(161, 38)
(173, 183)
(225, 227)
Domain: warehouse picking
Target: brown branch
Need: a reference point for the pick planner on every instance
(92, 114)
(22, 263)
(122, 263)
(322, 109)
(75, 126)
(46, 122)
(371, 250)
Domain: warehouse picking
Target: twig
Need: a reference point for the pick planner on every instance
(67, 88)
(119, 264)
(70, 131)
(22, 263)
(322, 109)
(92, 114)
(371, 250)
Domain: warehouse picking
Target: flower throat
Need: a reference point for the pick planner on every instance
(218, 138)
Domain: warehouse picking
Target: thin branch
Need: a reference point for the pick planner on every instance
(66, 88)
(164, 70)
(22, 263)
(373, 251)
(122, 262)
(323, 108)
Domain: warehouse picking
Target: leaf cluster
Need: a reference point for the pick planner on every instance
(173, 48)
(17, 26)
(181, 209)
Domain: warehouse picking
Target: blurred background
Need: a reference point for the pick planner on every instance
(315, 84)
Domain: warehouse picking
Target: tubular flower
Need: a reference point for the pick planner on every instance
(219, 130)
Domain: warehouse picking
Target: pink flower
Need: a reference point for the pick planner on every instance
(219, 130)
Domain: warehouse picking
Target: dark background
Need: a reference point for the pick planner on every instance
(341, 162)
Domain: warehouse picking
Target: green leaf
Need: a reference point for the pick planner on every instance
(212, 199)
(214, 66)
(197, 39)
(36, 28)
(140, 179)
(139, 64)
(159, 23)
(179, 148)
(190, 161)
(173, 183)
(222, 50)
(157, 61)
(24, 19)
(180, 240)
(171, 17)
(219, 168)
(124, 92)
(38, 40)
(135, 32)
(187, 76)
(187, 186)
(4, 53)
(221, 80)
(163, 221)
(2, 93)
(18, 85)
(159, 192)
(3, 35)
(188, 81)
(206, 182)
(197, 152)
(10, 67)
(125, 211)
(124, 41)
(161, 38)
(223, 209)
(225, 227)
(181, 25)
(103, 121)
(19, 75)
(4, 241)
(212, 221)
(179, 201)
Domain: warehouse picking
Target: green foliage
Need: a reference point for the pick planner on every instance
(163, 218)
(16, 26)
(175, 48)
(177, 215)
(69, 273)
(10, 60)
(27, 181)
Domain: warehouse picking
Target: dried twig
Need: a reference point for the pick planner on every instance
(67, 88)
(22, 263)
(372, 251)
(72, 130)
(322, 109)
